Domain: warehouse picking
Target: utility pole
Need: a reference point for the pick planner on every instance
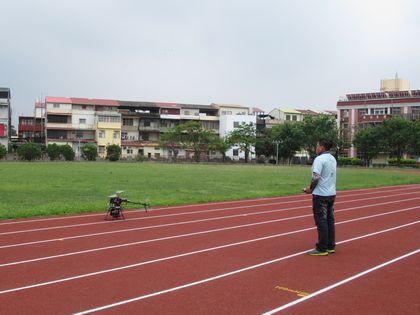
(277, 142)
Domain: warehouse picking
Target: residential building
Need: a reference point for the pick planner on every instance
(282, 115)
(367, 109)
(5, 117)
(75, 121)
(32, 128)
(232, 117)
(142, 123)
(397, 84)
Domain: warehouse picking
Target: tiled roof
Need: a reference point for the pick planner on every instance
(289, 111)
(81, 101)
(94, 101)
(57, 99)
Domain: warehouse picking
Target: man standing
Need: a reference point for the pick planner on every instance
(322, 187)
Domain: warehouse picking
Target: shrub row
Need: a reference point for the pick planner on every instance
(349, 161)
(403, 162)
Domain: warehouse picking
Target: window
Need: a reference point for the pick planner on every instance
(112, 119)
(379, 111)
(27, 121)
(147, 123)
(415, 109)
(101, 149)
(395, 110)
(56, 106)
(344, 113)
(101, 133)
(235, 124)
(83, 106)
(287, 117)
(363, 111)
(57, 134)
(157, 155)
(124, 135)
(128, 122)
(235, 152)
(57, 119)
(79, 134)
(82, 120)
(116, 134)
(294, 118)
(187, 112)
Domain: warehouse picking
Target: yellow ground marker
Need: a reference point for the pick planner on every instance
(298, 293)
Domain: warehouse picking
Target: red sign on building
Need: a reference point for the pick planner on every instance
(2, 130)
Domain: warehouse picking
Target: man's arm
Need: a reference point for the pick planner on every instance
(314, 182)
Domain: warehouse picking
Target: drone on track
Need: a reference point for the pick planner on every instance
(115, 208)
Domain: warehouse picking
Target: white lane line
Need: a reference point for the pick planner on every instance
(198, 233)
(228, 274)
(195, 221)
(188, 213)
(343, 193)
(202, 251)
(361, 274)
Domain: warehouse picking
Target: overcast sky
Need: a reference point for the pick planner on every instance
(263, 53)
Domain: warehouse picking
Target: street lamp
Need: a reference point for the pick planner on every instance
(78, 148)
(277, 142)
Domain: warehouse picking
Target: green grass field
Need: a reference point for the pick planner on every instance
(51, 188)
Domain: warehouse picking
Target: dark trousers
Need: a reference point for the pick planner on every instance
(323, 209)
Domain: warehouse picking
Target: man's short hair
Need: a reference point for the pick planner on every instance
(326, 143)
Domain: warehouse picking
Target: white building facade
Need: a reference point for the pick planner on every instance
(227, 124)
(5, 117)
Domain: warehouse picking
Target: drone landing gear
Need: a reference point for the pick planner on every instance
(115, 214)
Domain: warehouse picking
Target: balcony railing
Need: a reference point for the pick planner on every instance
(373, 118)
(66, 126)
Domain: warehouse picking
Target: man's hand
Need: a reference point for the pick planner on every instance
(307, 190)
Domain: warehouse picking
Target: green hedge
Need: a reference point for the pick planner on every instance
(403, 162)
(349, 161)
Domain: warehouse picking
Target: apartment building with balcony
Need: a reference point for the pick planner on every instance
(5, 117)
(32, 128)
(144, 122)
(76, 121)
(142, 125)
(231, 117)
(360, 110)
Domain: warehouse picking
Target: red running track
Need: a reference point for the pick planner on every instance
(237, 257)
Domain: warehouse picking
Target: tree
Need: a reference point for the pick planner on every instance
(3, 151)
(220, 145)
(368, 143)
(264, 142)
(317, 127)
(396, 133)
(414, 142)
(67, 152)
(244, 137)
(29, 151)
(291, 138)
(89, 152)
(113, 152)
(194, 137)
(170, 140)
(53, 151)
